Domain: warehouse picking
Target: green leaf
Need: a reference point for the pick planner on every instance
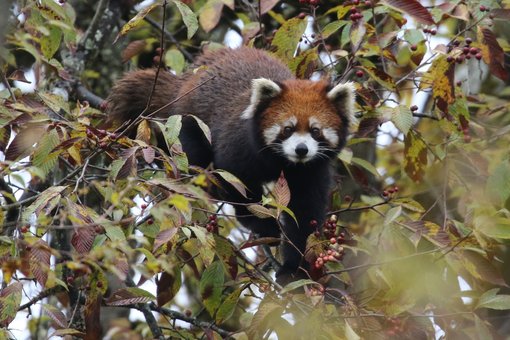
(189, 18)
(403, 119)
(228, 306)
(409, 204)
(482, 330)
(172, 129)
(297, 284)
(211, 285)
(44, 158)
(498, 183)
(136, 20)
(332, 27)
(47, 200)
(287, 38)
(10, 299)
(51, 42)
(413, 8)
(392, 215)
(175, 60)
(114, 232)
(365, 165)
(500, 302)
(210, 14)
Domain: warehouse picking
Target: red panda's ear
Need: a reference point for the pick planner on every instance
(262, 89)
(343, 96)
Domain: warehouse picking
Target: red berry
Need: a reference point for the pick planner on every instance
(466, 50)
(314, 2)
(385, 193)
(368, 3)
(317, 234)
(456, 43)
(354, 9)
(347, 198)
(478, 56)
(426, 30)
(355, 2)
(468, 41)
(359, 73)
(449, 59)
(332, 240)
(473, 50)
(433, 31)
(468, 56)
(483, 8)
(459, 83)
(24, 229)
(353, 17)
(212, 217)
(301, 15)
(143, 206)
(414, 108)
(314, 223)
(395, 189)
(414, 47)
(70, 280)
(391, 191)
(460, 59)
(188, 313)
(150, 221)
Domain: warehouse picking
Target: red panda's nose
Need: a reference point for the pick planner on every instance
(301, 149)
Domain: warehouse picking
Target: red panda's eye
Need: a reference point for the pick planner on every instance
(316, 133)
(287, 131)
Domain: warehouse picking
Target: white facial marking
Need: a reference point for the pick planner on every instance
(292, 121)
(289, 147)
(347, 93)
(314, 122)
(271, 133)
(331, 136)
(261, 89)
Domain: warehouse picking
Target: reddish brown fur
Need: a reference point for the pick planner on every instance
(302, 99)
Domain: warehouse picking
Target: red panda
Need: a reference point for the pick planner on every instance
(263, 122)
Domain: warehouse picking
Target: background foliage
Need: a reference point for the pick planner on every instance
(417, 240)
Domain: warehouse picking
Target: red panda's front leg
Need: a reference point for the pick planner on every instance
(309, 187)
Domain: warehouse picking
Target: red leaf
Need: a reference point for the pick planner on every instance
(56, 315)
(23, 143)
(40, 261)
(164, 236)
(82, 239)
(134, 48)
(412, 8)
(10, 299)
(281, 191)
(167, 286)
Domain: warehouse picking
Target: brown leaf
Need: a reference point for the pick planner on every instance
(132, 49)
(167, 286)
(56, 315)
(143, 131)
(492, 53)
(22, 144)
(415, 156)
(148, 154)
(129, 296)
(19, 76)
(267, 5)
(163, 237)
(412, 8)
(210, 15)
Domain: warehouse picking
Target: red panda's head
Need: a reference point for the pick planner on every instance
(301, 119)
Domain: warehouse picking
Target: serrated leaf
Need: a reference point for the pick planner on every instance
(136, 20)
(261, 211)
(126, 165)
(412, 8)
(281, 191)
(54, 102)
(403, 119)
(40, 261)
(228, 306)
(297, 284)
(211, 285)
(189, 18)
(56, 315)
(10, 300)
(46, 201)
(172, 129)
(143, 131)
(164, 236)
(287, 38)
(168, 285)
(44, 156)
(129, 296)
(409, 204)
(84, 234)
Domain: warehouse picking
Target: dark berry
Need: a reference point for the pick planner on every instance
(368, 3)
(433, 31)
(483, 8)
(491, 16)
(460, 59)
(354, 9)
(150, 221)
(478, 56)
(385, 193)
(450, 59)
(396, 189)
(355, 2)
(70, 280)
(414, 47)
(459, 83)
(466, 50)
(473, 50)
(468, 41)
(414, 108)
(143, 206)
(347, 198)
(314, 2)
(359, 73)
(456, 43)
(24, 229)
(426, 30)
(314, 223)
(188, 313)
(301, 15)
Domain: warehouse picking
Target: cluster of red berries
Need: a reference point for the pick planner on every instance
(355, 14)
(484, 8)
(330, 256)
(395, 326)
(388, 193)
(467, 52)
(316, 291)
(431, 31)
(212, 224)
(101, 136)
(330, 227)
(309, 2)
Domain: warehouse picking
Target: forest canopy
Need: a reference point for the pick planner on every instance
(103, 233)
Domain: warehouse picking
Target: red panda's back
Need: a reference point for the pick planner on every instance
(223, 80)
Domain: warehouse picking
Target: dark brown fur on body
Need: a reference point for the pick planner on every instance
(239, 111)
